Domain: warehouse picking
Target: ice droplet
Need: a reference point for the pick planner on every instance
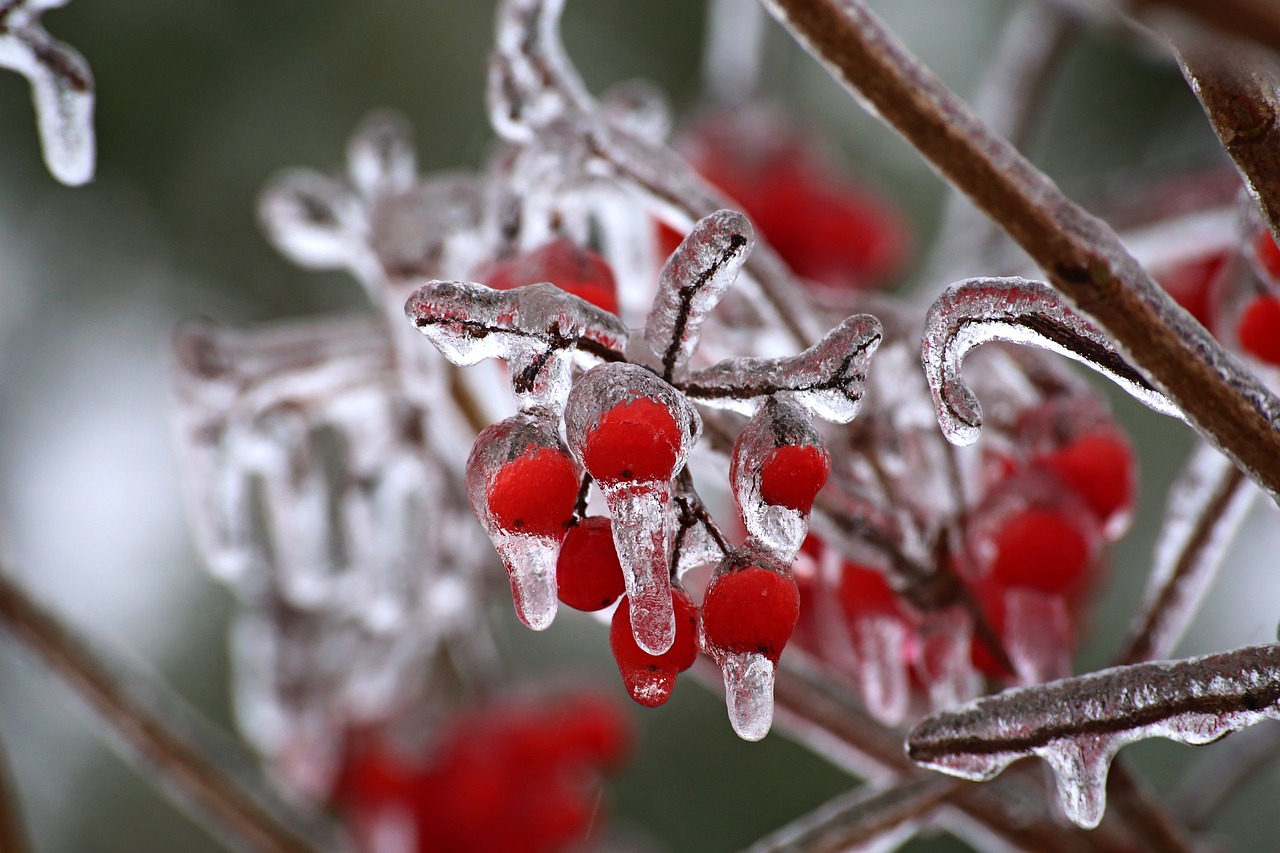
(977, 311)
(748, 685)
(642, 536)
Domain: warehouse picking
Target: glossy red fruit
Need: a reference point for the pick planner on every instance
(1267, 253)
(1099, 467)
(865, 593)
(638, 440)
(791, 476)
(1041, 549)
(650, 678)
(750, 610)
(588, 574)
(535, 493)
(1259, 330)
(565, 264)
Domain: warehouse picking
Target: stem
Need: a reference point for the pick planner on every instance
(1254, 20)
(859, 817)
(12, 836)
(129, 708)
(1238, 93)
(1081, 255)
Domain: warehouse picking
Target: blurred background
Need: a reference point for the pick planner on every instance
(198, 104)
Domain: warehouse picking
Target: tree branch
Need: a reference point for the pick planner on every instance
(1254, 20)
(168, 744)
(1081, 255)
(13, 839)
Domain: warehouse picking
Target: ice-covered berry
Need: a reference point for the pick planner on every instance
(635, 440)
(865, 593)
(535, 493)
(791, 476)
(565, 264)
(588, 574)
(1041, 549)
(750, 609)
(1259, 329)
(650, 678)
(1099, 467)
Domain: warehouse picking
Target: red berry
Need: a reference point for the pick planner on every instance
(865, 593)
(535, 493)
(650, 678)
(1040, 549)
(792, 475)
(639, 440)
(1191, 285)
(565, 264)
(1259, 329)
(588, 574)
(1267, 252)
(1099, 468)
(750, 610)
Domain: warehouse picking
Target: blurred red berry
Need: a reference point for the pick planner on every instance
(565, 264)
(1259, 329)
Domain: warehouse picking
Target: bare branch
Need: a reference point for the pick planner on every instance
(166, 741)
(13, 838)
(1083, 257)
(1253, 20)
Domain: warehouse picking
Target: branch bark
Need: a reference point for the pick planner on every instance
(1254, 20)
(13, 839)
(1081, 255)
(195, 779)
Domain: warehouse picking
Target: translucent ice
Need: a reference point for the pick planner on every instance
(313, 219)
(1079, 724)
(880, 666)
(980, 310)
(1037, 635)
(748, 686)
(380, 155)
(827, 378)
(61, 86)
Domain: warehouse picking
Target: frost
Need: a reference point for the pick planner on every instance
(61, 87)
(1079, 724)
(748, 686)
(980, 310)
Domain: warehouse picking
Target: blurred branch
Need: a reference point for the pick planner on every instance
(1146, 817)
(12, 835)
(1208, 783)
(1081, 255)
(858, 817)
(129, 704)
(1254, 20)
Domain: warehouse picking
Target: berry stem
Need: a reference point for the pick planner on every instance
(1083, 257)
(154, 728)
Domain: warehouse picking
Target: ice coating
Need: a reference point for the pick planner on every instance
(641, 507)
(381, 158)
(748, 688)
(539, 330)
(1206, 506)
(1037, 635)
(61, 87)
(946, 659)
(880, 668)
(977, 311)
(1079, 724)
(777, 527)
(827, 379)
(692, 282)
(519, 449)
(312, 219)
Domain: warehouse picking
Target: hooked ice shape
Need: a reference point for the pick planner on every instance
(692, 282)
(1079, 724)
(827, 378)
(980, 310)
(538, 329)
(640, 502)
(61, 87)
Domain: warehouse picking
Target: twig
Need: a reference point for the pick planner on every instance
(1081, 255)
(128, 706)
(1239, 96)
(12, 836)
(1255, 20)
(858, 817)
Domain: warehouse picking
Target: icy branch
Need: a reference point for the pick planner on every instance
(61, 86)
(1079, 724)
(980, 310)
(1082, 256)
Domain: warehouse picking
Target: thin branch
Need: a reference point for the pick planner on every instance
(1081, 255)
(1254, 20)
(858, 817)
(1239, 95)
(13, 838)
(129, 705)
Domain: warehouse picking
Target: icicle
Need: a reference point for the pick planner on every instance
(827, 379)
(880, 668)
(1079, 724)
(61, 86)
(692, 282)
(946, 661)
(980, 310)
(381, 159)
(1037, 635)
(748, 686)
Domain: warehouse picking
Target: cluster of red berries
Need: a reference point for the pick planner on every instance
(510, 778)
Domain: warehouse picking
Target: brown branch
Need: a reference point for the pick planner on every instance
(1255, 20)
(194, 777)
(13, 839)
(1081, 255)
(1238, 93)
